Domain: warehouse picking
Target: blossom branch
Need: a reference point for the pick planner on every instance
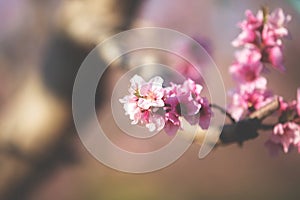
(266, 110)
(222, 110)
(261, 43)
(247, 128)
(251, 101)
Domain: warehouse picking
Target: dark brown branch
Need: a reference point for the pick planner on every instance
(222, 110)
(266, 127)
(248, 128)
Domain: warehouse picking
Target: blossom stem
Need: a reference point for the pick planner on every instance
(222, 110)
(265, 11)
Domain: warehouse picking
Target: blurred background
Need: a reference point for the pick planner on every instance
(43, 43)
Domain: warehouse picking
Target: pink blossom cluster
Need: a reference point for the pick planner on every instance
(263, 33)
(191, 69)
(261, 39)
(158, 107)
(286, 133)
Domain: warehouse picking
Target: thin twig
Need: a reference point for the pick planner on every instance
(247, 128)
(222, 110)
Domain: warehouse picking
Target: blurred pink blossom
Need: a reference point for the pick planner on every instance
(261, 40)
(286, 136)
(272, 33)
(265, 34)
(289, 111)
(275, 57)
(286, 133)
(190, 68)
(247, 67)
(277, 20)
(249, 97)
(249, 28)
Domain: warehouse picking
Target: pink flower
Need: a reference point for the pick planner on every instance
(203, 113)
(142, 102)
(185, 100)
(184, 93)
(195, 55)
(248, 55)
(171, 127)
(180, 102)
(247, 67)
(245, 37)
(252, 22)
(277, 20)
(136, 114)
(147, 101)
(275, 57)
(155, 122)
(189, 71)
(272, 33)
(282, 105)
(148, 94)
(289, 111)
(269, 37)
(249, 97)
(249, 28)
(203, 117)
(136, 84)
(172, 122)
(265, 34)
(286, 135)
(258, 84)
(130, 106)
(191, 86)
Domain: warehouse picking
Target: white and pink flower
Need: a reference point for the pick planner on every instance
(151, 94)
(143, 98)
(156, 107)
